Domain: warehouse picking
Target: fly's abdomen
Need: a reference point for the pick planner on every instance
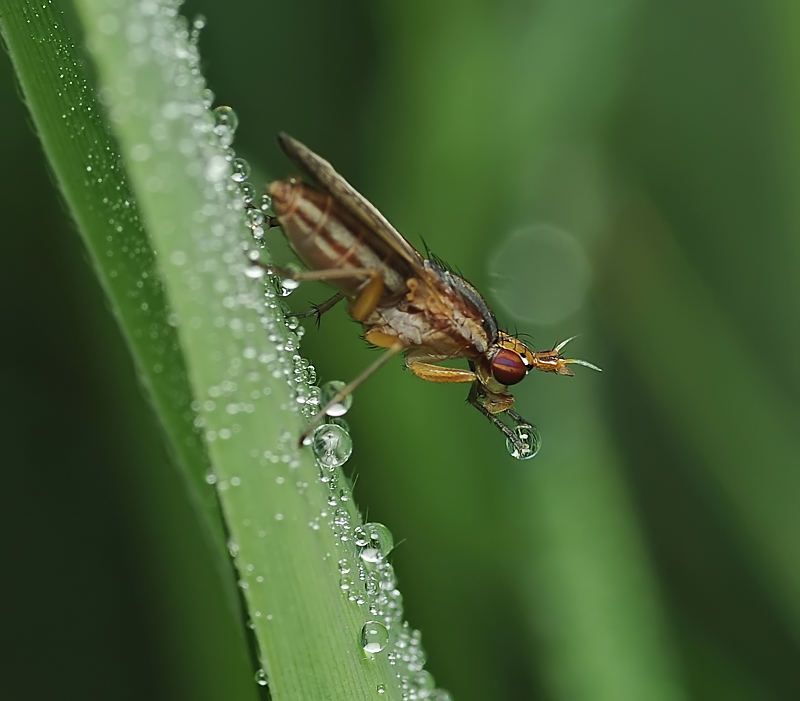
(327, 237)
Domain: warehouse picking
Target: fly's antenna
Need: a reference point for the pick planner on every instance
(575, 361)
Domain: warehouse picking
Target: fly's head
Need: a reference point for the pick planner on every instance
(509, 360)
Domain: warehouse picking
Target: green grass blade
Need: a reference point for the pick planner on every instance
(279, 514)
(92, 177)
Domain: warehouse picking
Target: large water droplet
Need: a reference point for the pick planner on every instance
(375, 541)
(531, 442)
(332, 445)
(226, 118)
(288, 285)
(374, 637)
(328, 391)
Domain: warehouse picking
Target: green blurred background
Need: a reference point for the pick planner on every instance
(624, 170)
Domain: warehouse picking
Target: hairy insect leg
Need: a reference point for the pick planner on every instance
(516, 416)
(318, 310)
(347, 390)
(368, 297)
(363, 305)
(474, 399)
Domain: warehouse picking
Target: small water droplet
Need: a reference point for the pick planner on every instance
(332, 445)
(261, 677)
(374, 637)
(328, 391)
(424, 683)
(241, 170)
(381, 688)
(255, 272)
(248, 191)
(531, 440)
(255, 218)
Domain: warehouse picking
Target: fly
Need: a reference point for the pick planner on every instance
(406, 303)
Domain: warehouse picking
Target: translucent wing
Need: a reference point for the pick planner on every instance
(351, 199)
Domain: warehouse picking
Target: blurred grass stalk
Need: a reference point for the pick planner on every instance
(712, 394)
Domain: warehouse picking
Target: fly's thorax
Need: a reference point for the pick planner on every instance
(428, 316)
(326, 236)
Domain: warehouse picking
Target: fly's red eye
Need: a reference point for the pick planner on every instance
(508, 367)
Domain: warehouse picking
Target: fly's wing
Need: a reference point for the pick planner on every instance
(351, 199)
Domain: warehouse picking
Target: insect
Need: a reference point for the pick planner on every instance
(405, 302)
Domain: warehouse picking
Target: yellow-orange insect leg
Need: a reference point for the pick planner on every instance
(437, 373)
(368, 298)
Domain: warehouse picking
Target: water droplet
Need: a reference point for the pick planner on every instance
(374, 637)
(328, 391)
(178, 258)
(381, 688)
(375, 541)
(531, 440)
(288, 285)
(332, 445)
(424, 683)
(341, 517)
(248, 191)
(241, 170)
(255, 272)
(261, 677)
(225, 117)
(255, 218)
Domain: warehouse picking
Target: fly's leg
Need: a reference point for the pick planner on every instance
(318, 310)
(422, 362)
(363, 305)
(516, 416)
(437, 373)
(474, 399)
(348, 389)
